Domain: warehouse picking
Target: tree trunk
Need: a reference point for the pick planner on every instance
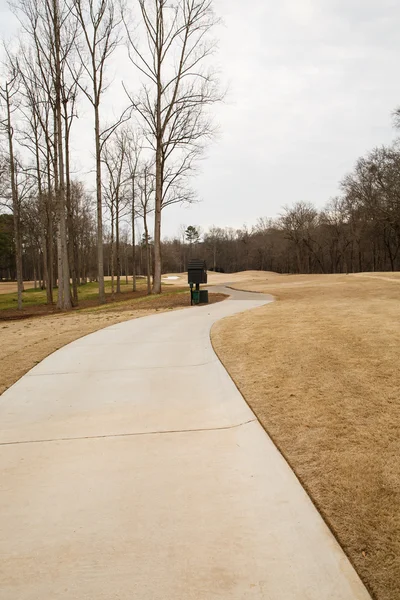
(117, 246)
(49, 231)
(133, 237)
(148, 260)
(159, 185)
(60, 288)
(84, 274)
(42, 212)
(70, 217)
(112, 252)
(15, 204)
(157, 237)
(126, 263)
(360, 266)
(39, 269)
(100, 252)
(44, 264)
(64, 291)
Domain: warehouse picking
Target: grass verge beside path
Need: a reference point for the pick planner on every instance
(25, 342)
(320, 368)
(34, 300)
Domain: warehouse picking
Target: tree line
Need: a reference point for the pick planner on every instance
(143, 159)
(356, 231)
(359, 230)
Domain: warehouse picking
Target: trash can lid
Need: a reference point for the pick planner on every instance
(197, 264)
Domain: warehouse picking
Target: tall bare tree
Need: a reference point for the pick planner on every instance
(133, 150)
(100, 28)
(64, 291)
(46, 23)
(8, 94)
(180, 84)
(146, 185)
(32, 139)
(69, 100)
(117, 193)
(36, 107)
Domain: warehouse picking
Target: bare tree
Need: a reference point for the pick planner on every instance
(36, 107)
(8, 93)
(335, 233)
(47, 24)
(64, 291)
(99, 23)
(116, 192)
(213, 239)
(133, 151)
(300, 223)
(180, 85)
(32, 139)
(69, 99)
(146, 184)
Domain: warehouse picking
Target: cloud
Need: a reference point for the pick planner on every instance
(313, 85)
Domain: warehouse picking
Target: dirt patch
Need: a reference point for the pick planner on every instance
(319, 367)
(9, 287)
(25, 342)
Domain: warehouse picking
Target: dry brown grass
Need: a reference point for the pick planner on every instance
(8, 287)
(26, 342)
(320, 368)
(221, 278)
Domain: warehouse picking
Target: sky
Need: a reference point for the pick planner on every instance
(312, 85)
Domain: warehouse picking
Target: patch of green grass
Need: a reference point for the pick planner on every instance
(30, 297)
(88, 291)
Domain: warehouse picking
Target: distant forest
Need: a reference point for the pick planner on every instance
(356, 231)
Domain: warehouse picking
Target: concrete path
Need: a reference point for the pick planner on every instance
(131, 468)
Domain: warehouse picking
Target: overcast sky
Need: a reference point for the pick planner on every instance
(312, 85)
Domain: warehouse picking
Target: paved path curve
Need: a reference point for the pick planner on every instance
(132, 469)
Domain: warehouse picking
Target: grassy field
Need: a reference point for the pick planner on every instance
(27, 341)
(10, 287)
(320, 368)
(36, 297)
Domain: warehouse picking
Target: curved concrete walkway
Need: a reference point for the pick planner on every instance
(131, 468)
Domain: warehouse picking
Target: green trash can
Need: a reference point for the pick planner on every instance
(196, 296)
(203, 296)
